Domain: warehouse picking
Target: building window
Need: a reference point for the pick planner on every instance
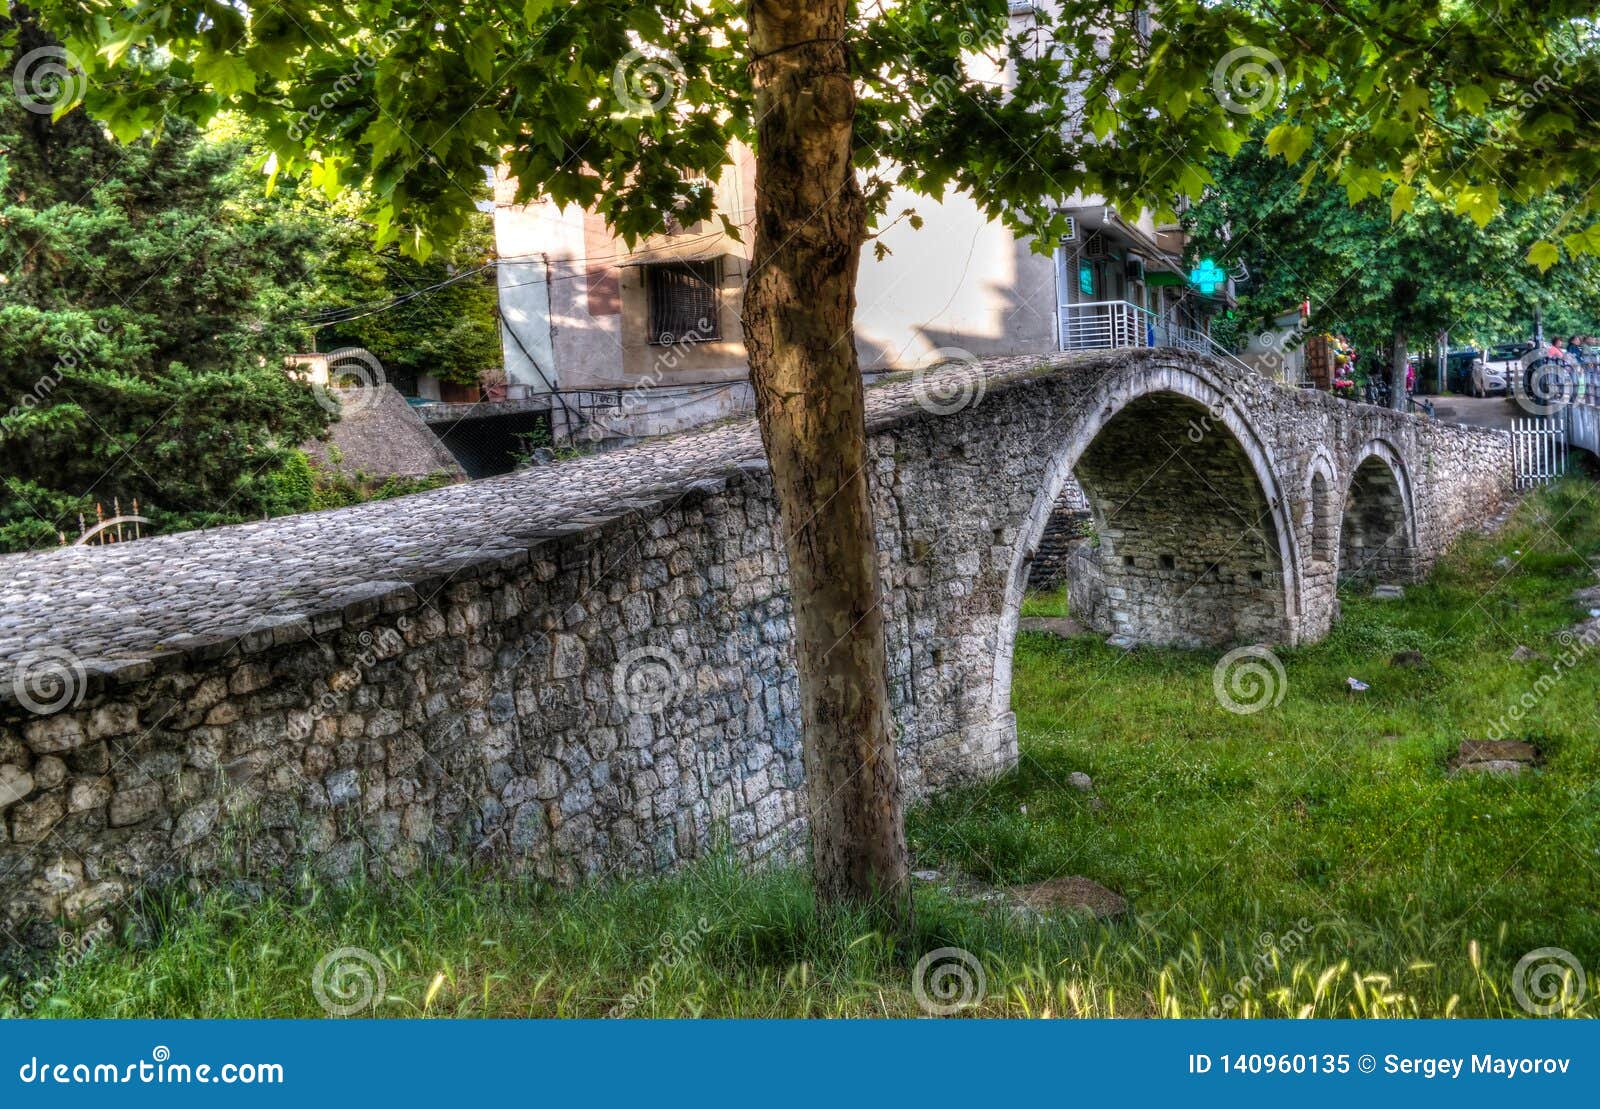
(683, 301)
(1086, 279)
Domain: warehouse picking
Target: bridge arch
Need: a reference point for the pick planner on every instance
(1378, 524)
(1197, 545)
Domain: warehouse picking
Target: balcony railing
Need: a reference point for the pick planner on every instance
(1101, 325)
(1105, 325)
(1114, 324)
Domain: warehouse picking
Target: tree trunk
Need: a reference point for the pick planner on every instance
(1397, 372)
(799, 307)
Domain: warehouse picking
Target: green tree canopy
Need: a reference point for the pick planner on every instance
(140, 348)
(1369, 272)
(436, 316)
(622, 106)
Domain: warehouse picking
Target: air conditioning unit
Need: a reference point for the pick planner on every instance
(1135, 269)
(1096, 246)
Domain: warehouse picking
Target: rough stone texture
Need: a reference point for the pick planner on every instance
(1074, 894)
(1227, 508)
(586, 667)
(1063, 626)
(1087, 597)
(1068, 528)
(378, 433)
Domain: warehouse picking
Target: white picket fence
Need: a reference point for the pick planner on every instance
(1538, 450)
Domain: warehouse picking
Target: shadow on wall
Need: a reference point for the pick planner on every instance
(1010, 315)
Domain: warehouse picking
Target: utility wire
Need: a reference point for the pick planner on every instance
(352, 312)
(532, 361)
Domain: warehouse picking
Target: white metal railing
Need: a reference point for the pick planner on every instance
(1538, 450)
(1169, 334)
(1114, 324)
(1107, 325)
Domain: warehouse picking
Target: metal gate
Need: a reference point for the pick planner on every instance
(1538, 450)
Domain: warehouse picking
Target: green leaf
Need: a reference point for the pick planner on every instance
(1472, 98)
(1544, 254)
(481, 49)
(1479, 202)
(1413, 100)
(229, 74)
(1583, 242)
(1289, 140)
(1404, 200)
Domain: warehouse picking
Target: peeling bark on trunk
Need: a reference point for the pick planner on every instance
(799, 307)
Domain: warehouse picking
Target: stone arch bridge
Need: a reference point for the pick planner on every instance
(586, 667)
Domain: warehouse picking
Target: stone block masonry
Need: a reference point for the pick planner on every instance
(587, 669)
(1071, 524)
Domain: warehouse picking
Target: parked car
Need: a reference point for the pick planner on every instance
(1500, 366)
(1458, 369)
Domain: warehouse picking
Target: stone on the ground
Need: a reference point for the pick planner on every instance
(925, 875)
(1122, 642)
(1525, 654)
(1072, 894)
(1064, 626)
(1493, 756)
(1491, 766)
(1388, 593)
(1080, 781)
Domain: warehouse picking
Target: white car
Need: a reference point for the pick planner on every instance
(1498, 368)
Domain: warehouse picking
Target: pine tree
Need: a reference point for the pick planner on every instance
(141, 348)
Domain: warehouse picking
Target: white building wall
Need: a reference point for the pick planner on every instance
(522, 243)
(960, 281)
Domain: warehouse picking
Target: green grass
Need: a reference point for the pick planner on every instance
(1313, 858)
(1053, 603)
